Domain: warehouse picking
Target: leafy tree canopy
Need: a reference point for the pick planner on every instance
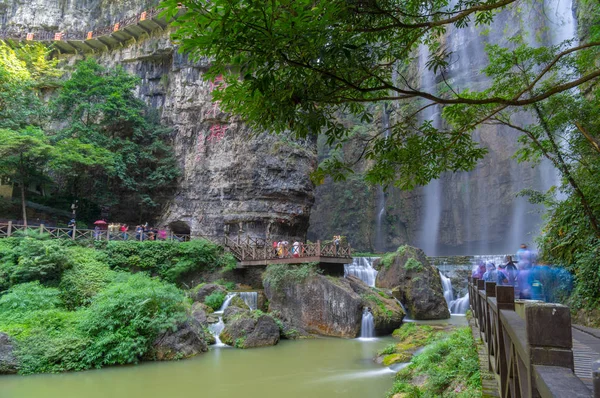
(306, 65)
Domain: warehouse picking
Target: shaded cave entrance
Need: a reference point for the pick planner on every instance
(180, 227)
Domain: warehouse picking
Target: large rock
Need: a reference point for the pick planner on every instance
(8, 362)
(199, 293)
(387, 313)
(415, 282)
(188, 340)
(249, 329)
(317, 304)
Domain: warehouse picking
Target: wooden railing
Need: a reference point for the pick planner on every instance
(117, 26)
(252, 249)
(529, 343)
(14, 230)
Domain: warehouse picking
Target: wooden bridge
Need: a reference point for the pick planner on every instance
(105, 38)
(255, 252)
(248, 251)
(530, 348)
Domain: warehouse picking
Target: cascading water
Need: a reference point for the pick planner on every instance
(367, 326)
(216, 328)
(362, 268)
(250, 298)
(432, 211)
(457, 306)
(379, 224)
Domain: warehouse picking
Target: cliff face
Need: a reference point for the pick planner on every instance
(233, 179)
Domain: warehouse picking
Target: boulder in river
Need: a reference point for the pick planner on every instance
(414, 281)
(249, 329)
(387, 313)
(187, 340)
(8, 361)
(199, 293)
(313, 302)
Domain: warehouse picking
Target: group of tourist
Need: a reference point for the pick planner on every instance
(525, 275)
(282, 249)
(142, 232)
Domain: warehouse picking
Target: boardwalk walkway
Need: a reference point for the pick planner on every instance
(100, 39)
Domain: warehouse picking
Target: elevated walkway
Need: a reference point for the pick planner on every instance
(101, 39)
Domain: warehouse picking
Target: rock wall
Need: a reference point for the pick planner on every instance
(233, 180)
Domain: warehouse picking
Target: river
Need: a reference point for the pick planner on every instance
(323, 367)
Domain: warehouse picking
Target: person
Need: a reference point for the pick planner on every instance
(502, 276)
(275, 244)
(479, 270)
(336, 242)
(525, 257)
(490, 275)
(97, 232)
(139, 233)
(296, 249)
(71, 225)
(162, 233)
(280, 249)
(285, 245)
(124, 228)
(510, 270)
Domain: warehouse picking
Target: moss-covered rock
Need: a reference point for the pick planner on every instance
(237, 301)
(201, 291)
(414, 281)
(248, 329)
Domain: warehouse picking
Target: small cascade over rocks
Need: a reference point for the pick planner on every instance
(367, 326)
(457, 306)
(250, 298)
(362, 268)
(216, 328)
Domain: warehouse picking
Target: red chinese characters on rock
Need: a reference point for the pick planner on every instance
(217, 132)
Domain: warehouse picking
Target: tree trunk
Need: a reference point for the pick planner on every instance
(23, 205)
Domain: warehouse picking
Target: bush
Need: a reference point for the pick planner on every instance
(277, 274)
(124, 319)
(88, 275)
(215, 300)
(412, 264)
(31, 260)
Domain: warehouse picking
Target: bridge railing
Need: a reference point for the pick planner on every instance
(252, 249)
(529, 344)
(11, 230)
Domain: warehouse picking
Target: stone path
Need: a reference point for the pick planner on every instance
(488, 380)
(586, 350)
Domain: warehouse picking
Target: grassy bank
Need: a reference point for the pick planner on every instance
(69, 307)
(447, 367)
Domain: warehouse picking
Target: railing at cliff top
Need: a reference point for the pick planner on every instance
(9, 229)
(258, 249)
(529, 350)
(118, 26)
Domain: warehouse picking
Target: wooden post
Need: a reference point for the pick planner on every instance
(549, 337)
(107, 235)
(505, 300)
(490, 291)
(318, 248)
(480, 286)
(74, 232)
(596, 378)
(41, 229)
(9, 229)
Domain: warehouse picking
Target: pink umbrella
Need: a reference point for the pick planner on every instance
(100, 222)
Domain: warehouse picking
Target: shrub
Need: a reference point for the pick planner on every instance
(88, 275)
(412, 264)
(124, 319)
(277, 274)
(33, 259)
(215, 300)
(28, 297)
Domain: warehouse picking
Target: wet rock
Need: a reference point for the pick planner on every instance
(387, 313)
(237, 301)
(199, 293)
(318, 304)
(187, 340)
(250, 329)
(8, 362)
(233, 311)
(414, 281)
(200, 312)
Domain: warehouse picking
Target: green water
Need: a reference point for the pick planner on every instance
(308, 368)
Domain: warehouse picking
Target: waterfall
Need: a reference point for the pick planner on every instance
(432, 211)
(216, 328)
(380, 232)
(362, 268)
(457, 306)
(367, 326)
(250, 298)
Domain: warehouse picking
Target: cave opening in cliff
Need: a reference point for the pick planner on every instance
(180, 227)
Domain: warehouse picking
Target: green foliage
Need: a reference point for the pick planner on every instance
(27, 259)
(278, 274)
(215, 300)
(413, 265)
(102, 110)
(450, 367)
(389, 349)
(88, 276)
(125, 317)
(169, 260)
